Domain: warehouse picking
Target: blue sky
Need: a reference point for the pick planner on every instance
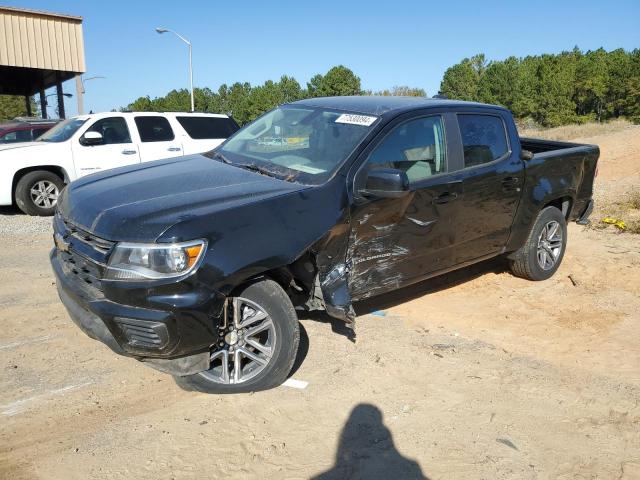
(384, 43)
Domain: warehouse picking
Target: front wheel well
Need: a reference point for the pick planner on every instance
(59, 171)
(296, 279)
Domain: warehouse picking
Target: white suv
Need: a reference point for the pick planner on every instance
(33, 174)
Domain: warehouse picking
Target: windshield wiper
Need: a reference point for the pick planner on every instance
(255, 168)
(222, 157)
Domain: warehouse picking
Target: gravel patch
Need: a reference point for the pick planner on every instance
(14, 223)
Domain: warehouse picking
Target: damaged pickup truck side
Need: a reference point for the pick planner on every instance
(197, 265)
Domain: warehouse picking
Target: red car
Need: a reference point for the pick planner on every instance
(24, 129)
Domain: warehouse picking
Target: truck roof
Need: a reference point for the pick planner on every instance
(378, 105)
(130, 113)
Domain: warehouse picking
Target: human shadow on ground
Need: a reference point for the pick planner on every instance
(367, 451)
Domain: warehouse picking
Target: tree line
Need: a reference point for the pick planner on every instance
(552, 90)
(246, 102)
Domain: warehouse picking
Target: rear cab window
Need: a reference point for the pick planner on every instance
(484, 138)
(154, 129)
(15, 136)
(201, 128)
(36, 132)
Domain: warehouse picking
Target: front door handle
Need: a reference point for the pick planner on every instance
(510, 183)
(445, 198)
(174, 149)
(129, 152)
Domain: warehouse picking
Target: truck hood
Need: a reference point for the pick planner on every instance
(138, 203)
(21, 145)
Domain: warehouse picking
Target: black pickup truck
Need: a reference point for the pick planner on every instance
(197, 265)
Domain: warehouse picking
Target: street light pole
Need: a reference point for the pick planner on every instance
(164, 30)
(84, 80)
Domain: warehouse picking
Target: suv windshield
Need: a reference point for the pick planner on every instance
(303, 144)
(62, 131)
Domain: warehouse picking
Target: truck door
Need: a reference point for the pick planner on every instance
(115, 150)
(492, 177)
(395, 240)
(157, 138)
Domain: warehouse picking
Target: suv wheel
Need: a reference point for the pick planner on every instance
(257, 347)
(542, 254)
(37, 192)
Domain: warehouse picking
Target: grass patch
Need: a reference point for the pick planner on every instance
(625, 210)
(571, 132)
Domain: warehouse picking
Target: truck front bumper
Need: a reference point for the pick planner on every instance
(174, 340)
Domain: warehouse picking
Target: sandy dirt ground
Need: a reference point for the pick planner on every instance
(475, 375)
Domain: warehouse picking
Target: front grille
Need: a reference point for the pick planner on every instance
(99, 244)
(142, 333)
(86, 274)
(85, 257)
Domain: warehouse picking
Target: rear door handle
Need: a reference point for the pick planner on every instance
(174, 149)
(445, 198)
(129, 152)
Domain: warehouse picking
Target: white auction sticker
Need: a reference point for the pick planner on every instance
(364, 120)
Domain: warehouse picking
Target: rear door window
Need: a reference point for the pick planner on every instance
(484, 138)
(200, 128)
(154, 129)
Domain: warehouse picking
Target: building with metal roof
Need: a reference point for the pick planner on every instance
(40, 50)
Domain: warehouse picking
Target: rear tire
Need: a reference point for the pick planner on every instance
(541, 255)
(278, 342)
(37, 192)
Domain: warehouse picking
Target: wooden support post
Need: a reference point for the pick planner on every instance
(60, 98)
(43, 104)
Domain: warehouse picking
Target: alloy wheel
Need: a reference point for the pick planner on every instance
(44, 194)
(246, 344)
(549, 245)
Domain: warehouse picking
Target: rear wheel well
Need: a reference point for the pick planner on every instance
(59, 171)
(563, 204)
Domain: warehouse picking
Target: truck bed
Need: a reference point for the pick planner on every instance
(570, 166)
(540, 145)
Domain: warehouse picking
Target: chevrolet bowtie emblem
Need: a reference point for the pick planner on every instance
(61, 242)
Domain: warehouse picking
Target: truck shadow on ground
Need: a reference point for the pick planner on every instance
(12, 210)
(367, 451)
(406, 294)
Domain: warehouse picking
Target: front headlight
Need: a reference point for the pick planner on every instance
(140, 261)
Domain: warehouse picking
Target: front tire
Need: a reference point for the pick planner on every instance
(544, 249)
(37, 192)
(258, 347)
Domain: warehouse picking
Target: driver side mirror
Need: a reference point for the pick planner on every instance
(386, 183)
(91, 138)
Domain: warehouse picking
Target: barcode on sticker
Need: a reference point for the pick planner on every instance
(364, 120)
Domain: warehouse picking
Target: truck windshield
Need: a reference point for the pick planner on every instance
(63, 131)
(301, 144)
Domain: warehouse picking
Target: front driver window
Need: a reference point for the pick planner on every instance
(416, 146)
(113, 130)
